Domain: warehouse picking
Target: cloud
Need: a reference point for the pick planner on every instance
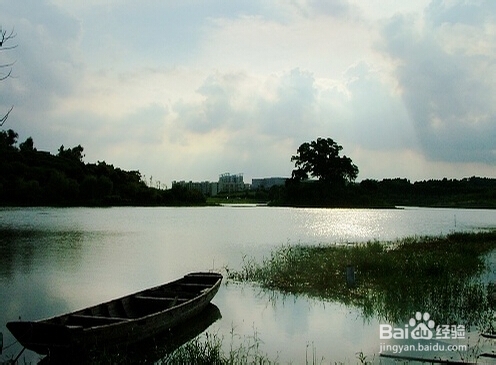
(265, 119)
(47, 54)
(291, 112)
(412, 164)
(184, 90)
(254, 122)
(473, 13)
(312, 8)
(279, 106)
(376, 117)
(47, 63)
(450, 92)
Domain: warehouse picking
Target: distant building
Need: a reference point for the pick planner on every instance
(227, 184)
(231, 183)
(267, 182)
(214, 188)
(205, 187)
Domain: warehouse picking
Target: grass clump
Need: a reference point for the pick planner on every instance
(207, 349)
(199, 351)
(392, 279)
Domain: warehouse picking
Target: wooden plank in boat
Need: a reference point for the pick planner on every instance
(94, 320)
(164, 299)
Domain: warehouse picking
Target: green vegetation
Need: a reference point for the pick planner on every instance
(240, 197)
(335, 186)
(208, 349)
(392, 279)
(33, 178)
(473, 192)
(321, 159)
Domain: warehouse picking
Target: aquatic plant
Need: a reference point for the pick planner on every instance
(389, 280)
(208, 349)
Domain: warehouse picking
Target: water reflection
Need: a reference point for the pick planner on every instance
(57, 260)
(338, 330)
(293, 328)
(25, 250)
(33, 263)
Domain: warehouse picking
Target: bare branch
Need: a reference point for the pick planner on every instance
(8, 64)
(6, 76)
(4, 118)
(4, 37)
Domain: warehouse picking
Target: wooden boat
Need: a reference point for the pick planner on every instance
(125, 320)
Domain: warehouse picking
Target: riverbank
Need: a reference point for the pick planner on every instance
(470, 193)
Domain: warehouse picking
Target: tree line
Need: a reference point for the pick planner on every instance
(470, 192)
(321, 178)
(33, 178)
(333, 185)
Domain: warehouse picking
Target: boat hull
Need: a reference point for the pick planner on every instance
(122, 321)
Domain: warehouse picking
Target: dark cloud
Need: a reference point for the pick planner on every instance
(445, 91)
(461, 12)
(378, 120)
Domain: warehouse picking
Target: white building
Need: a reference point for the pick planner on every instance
(227, 184)
(231, 183)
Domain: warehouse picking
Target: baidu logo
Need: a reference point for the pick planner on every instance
(421, 327)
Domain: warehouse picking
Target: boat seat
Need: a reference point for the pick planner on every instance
(164, 299)
(198, 285)
(95, 320)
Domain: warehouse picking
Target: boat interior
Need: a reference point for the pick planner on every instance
(137, 305)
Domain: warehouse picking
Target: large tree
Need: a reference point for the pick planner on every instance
(321, 159)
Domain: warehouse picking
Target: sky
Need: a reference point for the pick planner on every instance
(187, 90)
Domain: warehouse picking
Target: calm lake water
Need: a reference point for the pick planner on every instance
(62, 259)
